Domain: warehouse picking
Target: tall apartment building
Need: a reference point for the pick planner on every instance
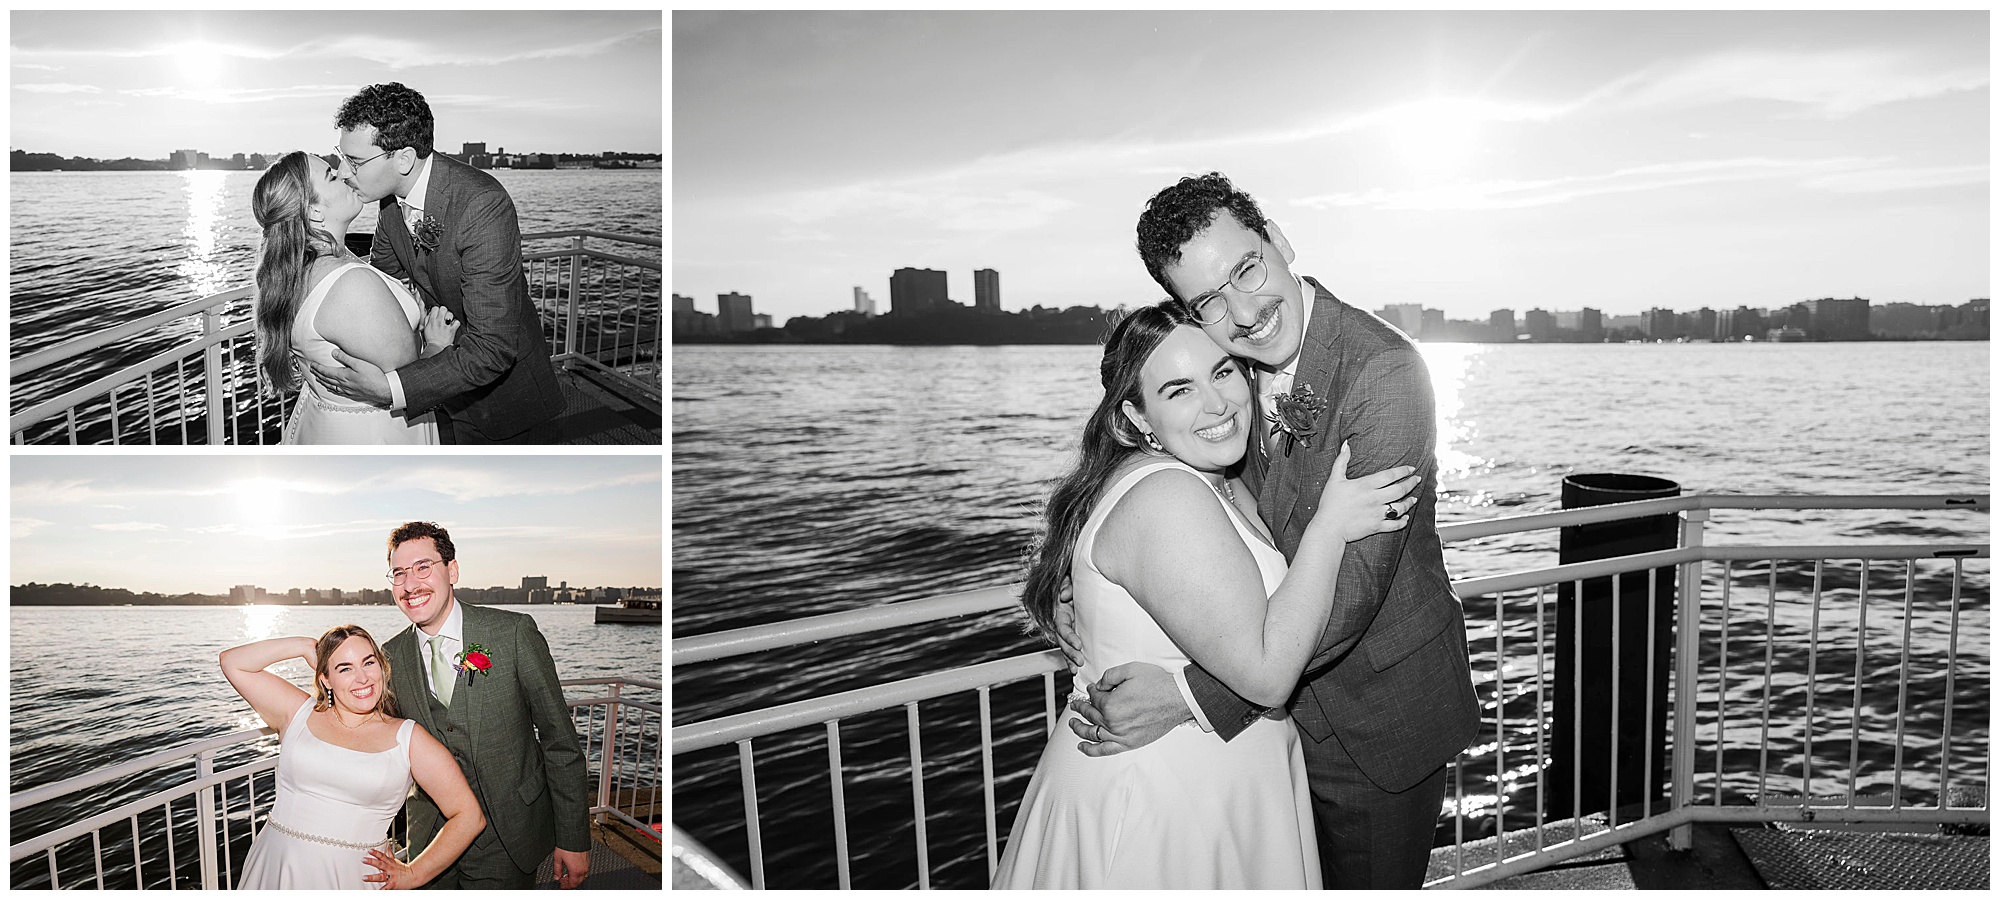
(863, 304)
(1502, 321)
(986, 290)
(916, 290)
(1838, 320)
(733, 313)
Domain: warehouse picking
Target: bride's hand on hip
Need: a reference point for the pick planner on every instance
(393, 874)
(1370, 504)
(440, 328)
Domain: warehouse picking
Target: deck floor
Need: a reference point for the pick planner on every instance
(596, 415)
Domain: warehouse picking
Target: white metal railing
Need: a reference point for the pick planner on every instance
(198, 381)
(620, 735)
(1576, 832)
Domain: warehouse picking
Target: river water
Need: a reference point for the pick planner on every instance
(820, 478)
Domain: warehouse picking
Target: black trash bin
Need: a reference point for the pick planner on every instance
(1589, 733)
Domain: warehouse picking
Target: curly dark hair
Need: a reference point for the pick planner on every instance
(1178, 213)
(410, 531)
(399, 114)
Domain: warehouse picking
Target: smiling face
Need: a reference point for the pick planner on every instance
(1267, 324)
(1196, 401)
(423, 596)
(334, 199)
(354, 676)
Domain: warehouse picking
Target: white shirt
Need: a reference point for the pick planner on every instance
(453, 636)
(413, 211)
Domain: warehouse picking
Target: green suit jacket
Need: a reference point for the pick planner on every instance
(511, 734)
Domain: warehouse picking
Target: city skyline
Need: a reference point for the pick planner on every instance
(1460, 161)
(109, 85)
(202, 524)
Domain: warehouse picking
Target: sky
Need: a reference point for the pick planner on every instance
(202, 524)
(111, 84)
(1463, 161)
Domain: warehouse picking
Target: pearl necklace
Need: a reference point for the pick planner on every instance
(1228, 493)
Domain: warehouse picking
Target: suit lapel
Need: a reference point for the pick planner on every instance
(408, 659)
(1291, 473)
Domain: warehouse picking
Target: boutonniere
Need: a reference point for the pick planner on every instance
(428, 231)
(1297, 416)
(473, 662)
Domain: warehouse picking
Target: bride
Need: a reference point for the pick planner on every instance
(1169, 561)
(313, 296)
(345, 763)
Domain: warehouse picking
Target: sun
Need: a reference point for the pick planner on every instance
(199, 64)
(1434, 137)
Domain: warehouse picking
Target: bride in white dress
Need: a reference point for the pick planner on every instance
(313, 296)
(1168, 561)
(345, 765)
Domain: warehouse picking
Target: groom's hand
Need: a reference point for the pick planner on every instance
(1066, 636)
(1133, 705)
(355, 378)
(571, 867)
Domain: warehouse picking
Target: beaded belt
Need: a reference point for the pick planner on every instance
(324, 840)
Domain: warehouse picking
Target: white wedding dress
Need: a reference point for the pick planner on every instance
(333, 804)
(1187, 811)
(324, 417)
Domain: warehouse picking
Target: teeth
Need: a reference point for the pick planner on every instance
(1268, 328)
(1217, 432)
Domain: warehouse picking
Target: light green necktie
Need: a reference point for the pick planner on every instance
(441, 673)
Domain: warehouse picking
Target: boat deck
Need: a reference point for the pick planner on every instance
(620, 860)
(598, 415)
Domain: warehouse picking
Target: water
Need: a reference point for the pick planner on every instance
(94, 249)
(95, 686)
(821, 478)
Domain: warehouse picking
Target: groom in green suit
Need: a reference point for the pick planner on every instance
(481, 681)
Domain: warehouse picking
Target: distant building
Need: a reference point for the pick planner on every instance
(472, 150)
(863, 304)
(245, 593)
(733, 315)
(1838, 320)
(258, 162)
(1590, 325)
(1739, 323)
(185, 159)
(1433, 324)
(1407, 317)
(1540, 325)
(1659, 323)
(690, 322)
(534, 582)
(986, 290)
(916, 291)
(1502, 321)
(760, 321)
(236, 161)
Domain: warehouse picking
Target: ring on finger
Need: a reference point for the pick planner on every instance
(1390, 512)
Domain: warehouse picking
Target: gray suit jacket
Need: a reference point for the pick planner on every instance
(511, 734)
(496, 377)
(1400, 713)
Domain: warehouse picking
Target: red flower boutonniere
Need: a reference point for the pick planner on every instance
(427, 233)
(474, 662)
(1297, 416)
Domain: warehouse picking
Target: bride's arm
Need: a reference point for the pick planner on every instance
(438, 774)
(274, 698)
(361, 317)
(1171, 544)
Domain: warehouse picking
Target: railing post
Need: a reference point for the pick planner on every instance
(204, 804)
(211, 322)
(575, 292)
(1687, 645)
(604, 761)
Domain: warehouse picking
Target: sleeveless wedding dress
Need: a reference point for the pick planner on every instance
(324, 417)
(1187, 811)
(333, 804)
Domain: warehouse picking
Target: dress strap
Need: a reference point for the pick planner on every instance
(1087, 539)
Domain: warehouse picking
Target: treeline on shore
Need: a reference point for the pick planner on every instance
(32, 594)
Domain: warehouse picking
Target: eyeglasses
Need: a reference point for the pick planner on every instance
(1211, 307)
(422, 570)
(351, 164)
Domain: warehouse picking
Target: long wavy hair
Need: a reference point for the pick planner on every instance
(331, 641)
(282, 204)
(1109, 437)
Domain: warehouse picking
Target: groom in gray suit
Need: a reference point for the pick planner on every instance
(1387, 700)
(451, 231)
(482, 682)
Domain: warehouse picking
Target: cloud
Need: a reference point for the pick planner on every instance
(130, 526)
(403, 53)
(59, 88)
(1900, 179)
(245, 95)
(24, 526)
(1830, 84)
(1517, 194)
(37, 66)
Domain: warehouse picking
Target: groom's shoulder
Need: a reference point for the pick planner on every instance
(473, 178)
(1360, 331)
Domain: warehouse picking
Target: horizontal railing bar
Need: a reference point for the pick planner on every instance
(737, 641)
(34, 795)
(47, 408)
(817, 710)
(539, 255)
(133, 807)
(1612, 512)
(1597, 568)
(586, 232)
(48, 356)
(638, 682)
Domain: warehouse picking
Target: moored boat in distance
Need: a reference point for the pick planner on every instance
(640, 610)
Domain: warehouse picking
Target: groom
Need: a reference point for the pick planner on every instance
(481, 681)
(1387, 701)
(450, 230)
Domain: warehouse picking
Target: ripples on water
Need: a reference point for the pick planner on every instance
(813, 479)
(92, 687)
(95, 249)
